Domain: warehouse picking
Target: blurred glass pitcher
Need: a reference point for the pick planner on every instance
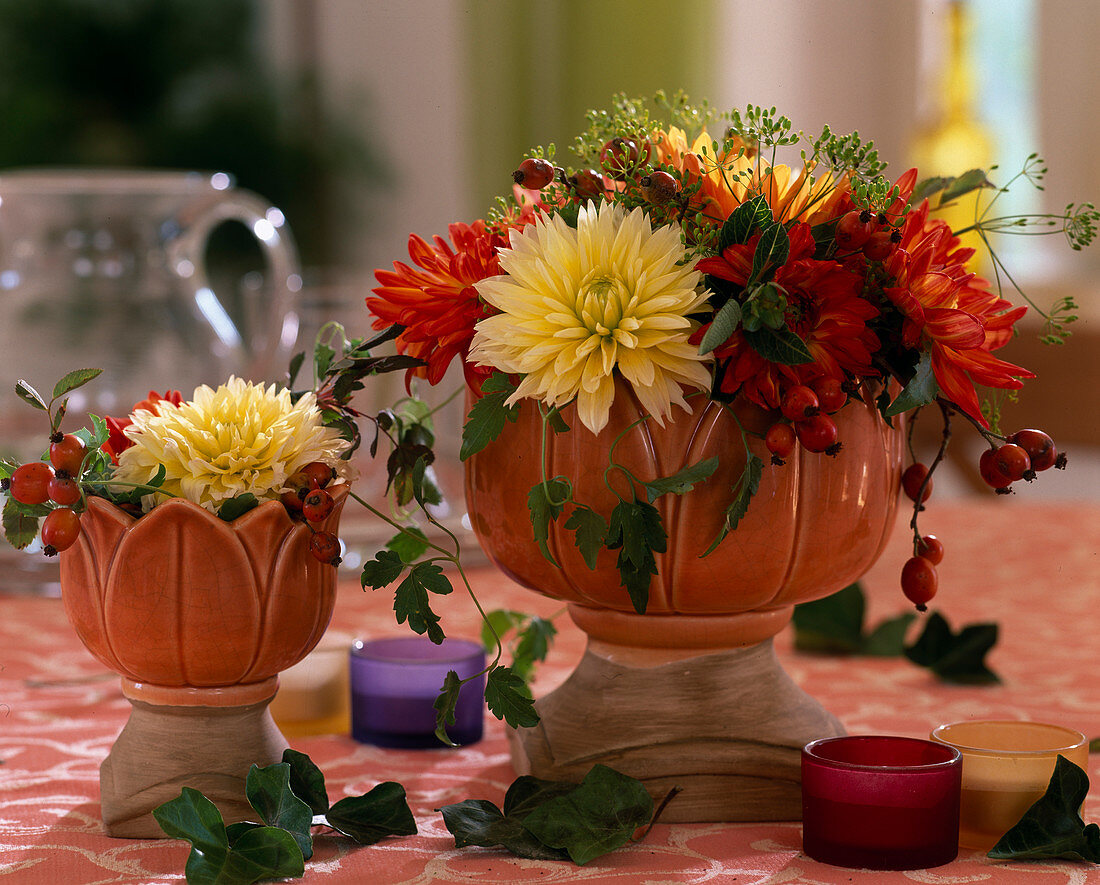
(107, 269)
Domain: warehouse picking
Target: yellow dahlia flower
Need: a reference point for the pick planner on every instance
(239, 438)
(578, 304)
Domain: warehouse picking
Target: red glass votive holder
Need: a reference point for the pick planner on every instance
(881, 802)
(394, 685)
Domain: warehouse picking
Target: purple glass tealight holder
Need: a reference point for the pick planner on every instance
(394, 685)
(880, 802)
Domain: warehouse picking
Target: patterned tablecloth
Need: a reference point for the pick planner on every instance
(1035, 569)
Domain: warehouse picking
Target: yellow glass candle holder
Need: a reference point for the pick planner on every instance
(1006, 766)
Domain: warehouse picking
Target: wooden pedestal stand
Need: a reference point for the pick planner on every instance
(167, 746)
(727, 728)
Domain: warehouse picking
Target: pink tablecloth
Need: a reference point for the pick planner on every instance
(1035, 569)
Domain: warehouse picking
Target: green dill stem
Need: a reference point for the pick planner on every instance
(612, 464)
(542, 461)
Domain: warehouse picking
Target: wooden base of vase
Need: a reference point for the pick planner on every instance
(163, 748)
(726, 728)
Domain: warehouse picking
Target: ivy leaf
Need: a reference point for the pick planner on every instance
(591, 532)
(488, 415)
(237, 506)
(28, 394)
(725, 321)
(955, 657)
(920, 391)
(545, 502)
(257, 852)
(597, 817)
(383, 570)
(20, 527)
(369, 818)
(779, 346)
(682, 481)
(268, 791)
(410, 601)
(73, 380)
(772, 250)
(835, 625)
(1052, 827)
(636, 530)
(743, 491)
(887, 640)
(507, 698)
(409, 544)
(306, 780)
(479, 822)
(744, 221)
(445, 704)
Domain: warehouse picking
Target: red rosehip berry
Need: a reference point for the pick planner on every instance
(831, 395)
(534, 173)
(780, 439)
(919, 581)
(622, 156)
(317, 474)
(1011, 460)
(291, 501)
(799, 403)
(587, 184)
(879, 246)
(912, 479)
(817, 433)
(325, 547)
(931, 548)
(67, 454)
(852, 231)
(1039, 446)
(30, 483)
(991, 473)
(63, 490)
(659, 187)
(317, 505)
(60, 529)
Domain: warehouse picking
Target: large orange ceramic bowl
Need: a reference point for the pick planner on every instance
(816, 523)
(191, 609)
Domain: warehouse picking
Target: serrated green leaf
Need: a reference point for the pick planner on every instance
(496, 624)
(744, 221)
(19, 527)
(410, 543)
(29, 395)
(597, 817)
(488, 415)
(383, 570)
(545, 502)
(590, 532)
(95, 437)
(237, 506)
(1052, 827)
(7, 468)
(507, 697)
(779, 346)
(410, 601)
(534, 642)
(682, 481)
(725, 321)
(445, 703)
(921, 390)
(322, 359)
(306, 780)
(73, 380)
(955, 657)
(747, 485)
(556, 422)
(369, 818)
(269, 793)
(772, 250)
(636, 530)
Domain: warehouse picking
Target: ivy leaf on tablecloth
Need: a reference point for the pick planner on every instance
(507, 698)
(636, 531)
(835, 625)
(1052, 827)
(682, 481)
(545, 502)
(256, 853)
(306, 780)
(410, 601)
(488, 415)
(1094, 745)
(590, 531)
(955, 657)
(369, 818)
(269, 793)
(553, 820)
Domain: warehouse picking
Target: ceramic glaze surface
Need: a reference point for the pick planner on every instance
(180, 599)
(815, 525)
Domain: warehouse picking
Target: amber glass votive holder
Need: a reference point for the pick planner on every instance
(880, 802)
(1006, 766)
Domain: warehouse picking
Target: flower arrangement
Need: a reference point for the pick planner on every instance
(682, 257)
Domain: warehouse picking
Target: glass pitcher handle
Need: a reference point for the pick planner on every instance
(270, 325)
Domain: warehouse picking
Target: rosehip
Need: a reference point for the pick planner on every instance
(588, 183)
(912, 479)
(830, 394)
(931, 548)
(659, 187)
(1039, 447)
(67, 454)
(621, 156)
(325, 547)
(919, 581)
(64, 491)
(879, 246)
(60, 529)
(817, 433)
(317, 474)
(852, 232)
(991, 473)
(291, 502)
(798, 403)
(534, 173)
(317, 505)
(780, 439)
(1011, 460)
(30, 483)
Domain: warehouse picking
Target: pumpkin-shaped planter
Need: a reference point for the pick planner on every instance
(690, 693)
(198, 616)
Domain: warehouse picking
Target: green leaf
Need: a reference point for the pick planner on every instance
(73, 380)
(772, 250)
(20, 528)
(779, 346)
(294, 367)
(887, 640)
(410, 543)
(556, 421)
(507, 698)
(410, 601)
(488, 415)
(681, 481)
(95, 437)
(926, 187)
(28, 394)
(306, 780)
(955, 657)
(964, 184)
(369, 818)
(590, 532)
(496, 624)
(237, 506)
(920, 391)
(534, 643)
(636, 530)
(835, 625)
(744, 221)
(743, 491)
(383, 570)
(268, 791)
(725, 321)
(445, 704)
(479, 822)
(7, 468)
(545, 502)
(1052, 827)
(322, 358)
(597, 817)
(528, 792)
